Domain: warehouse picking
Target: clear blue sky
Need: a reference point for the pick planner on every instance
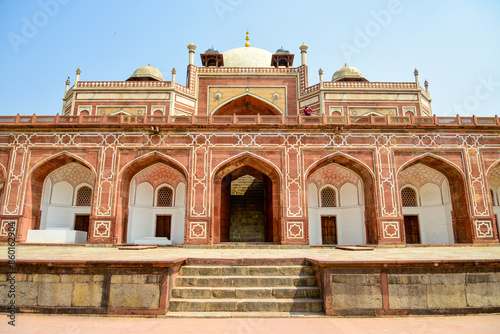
(454, 44)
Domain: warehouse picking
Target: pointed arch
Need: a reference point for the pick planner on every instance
(35, 181)
(149, 159)
(247, 157)
(58, 160)
(126, 175)
(369, 190)
(3, 170)
(272, 184)
(492, 166)
(461, 219)
(247, 104)
(341, 159)
(443, 165)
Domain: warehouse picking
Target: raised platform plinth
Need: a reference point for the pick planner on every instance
(56, 237)
(346, 287)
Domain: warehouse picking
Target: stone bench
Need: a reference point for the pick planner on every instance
(56, 236)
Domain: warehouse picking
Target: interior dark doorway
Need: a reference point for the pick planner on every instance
(246, 207)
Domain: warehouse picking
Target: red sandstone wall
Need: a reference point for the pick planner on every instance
(377, 156)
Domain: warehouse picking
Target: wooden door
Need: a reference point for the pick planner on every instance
(82, 223)
(329, 230)
(163, 226)
(412, 230)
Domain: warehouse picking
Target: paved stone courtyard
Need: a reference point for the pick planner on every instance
(33, 252)
(409, 325)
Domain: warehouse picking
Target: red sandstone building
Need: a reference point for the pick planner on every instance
(230, 158)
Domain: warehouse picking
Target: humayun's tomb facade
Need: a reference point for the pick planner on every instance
(231, 157)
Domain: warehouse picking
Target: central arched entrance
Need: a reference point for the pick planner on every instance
(246, 207)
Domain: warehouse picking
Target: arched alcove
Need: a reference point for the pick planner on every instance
(139, 218)
(443, 215)
(339, 220)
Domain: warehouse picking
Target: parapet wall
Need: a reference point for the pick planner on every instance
(409, 287)
(95, 287)
(373, 122)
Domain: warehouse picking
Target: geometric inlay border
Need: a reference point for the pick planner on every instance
(484, 228)
(198, 230)
(102, 229)
(391, 230)
(295, 230)
(5, 227)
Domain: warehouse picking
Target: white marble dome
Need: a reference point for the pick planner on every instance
(348, 73)
(247, 57)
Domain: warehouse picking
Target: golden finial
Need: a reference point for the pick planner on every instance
(247, 39)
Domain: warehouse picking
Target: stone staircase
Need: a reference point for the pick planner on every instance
(276, 288)
(247, 210)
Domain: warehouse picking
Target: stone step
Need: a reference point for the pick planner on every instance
(213, 315)
(248, 191)
(247, 234)
(249, 216)
(252, 216)
(200, 270)
(248, 224)
(246, 245)
(307, 292)
(245, 305)
(250, 204)
(247, 238)
(249, 231)
(244, 281)
(248, 199)
(252, 221)
(244, 228)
